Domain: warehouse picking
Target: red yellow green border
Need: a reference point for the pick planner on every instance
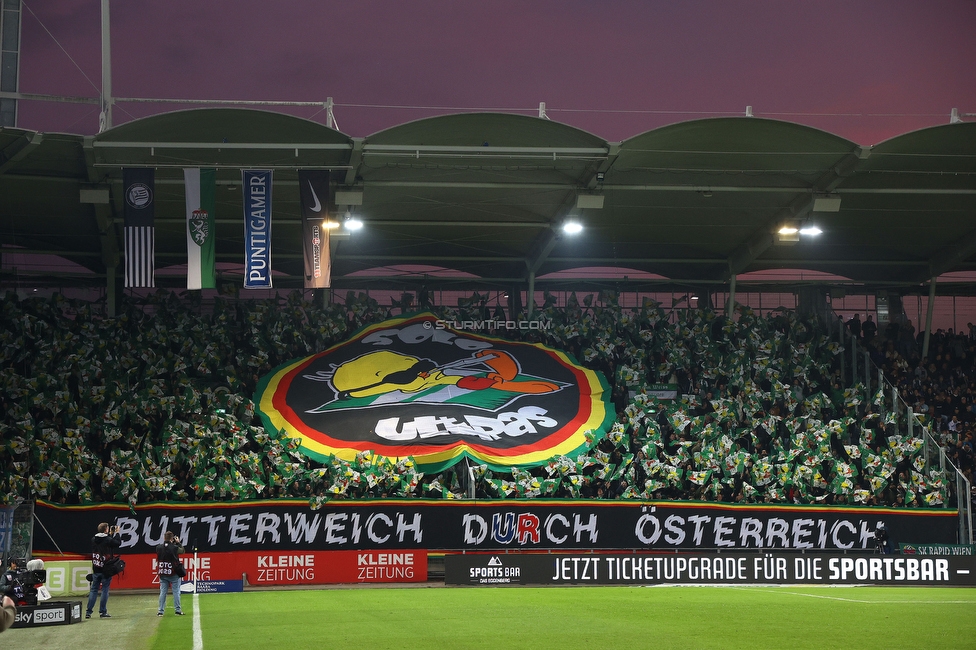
(594, 413)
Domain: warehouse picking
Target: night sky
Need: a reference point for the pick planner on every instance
(866, 70)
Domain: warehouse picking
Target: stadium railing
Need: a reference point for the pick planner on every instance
(862, 367)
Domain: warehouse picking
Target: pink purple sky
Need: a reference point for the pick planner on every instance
(865, 70)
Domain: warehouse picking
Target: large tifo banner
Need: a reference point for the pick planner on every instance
(707, 568)
(287, 525)
(412, 386)
(257, 228)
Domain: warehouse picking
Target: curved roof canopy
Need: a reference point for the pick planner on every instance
(486, 194)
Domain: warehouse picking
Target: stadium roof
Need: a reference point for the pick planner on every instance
(485, 194)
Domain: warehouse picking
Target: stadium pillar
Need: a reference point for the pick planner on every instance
(529, 297)
(730, 303)
(928, 319)
(867, 371)
(10, 14)
(105, 119)
(110, 289)
(843, 353)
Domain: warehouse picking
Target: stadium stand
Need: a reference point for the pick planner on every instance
(154, 404)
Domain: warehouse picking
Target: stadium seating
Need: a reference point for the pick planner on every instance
(155, 405)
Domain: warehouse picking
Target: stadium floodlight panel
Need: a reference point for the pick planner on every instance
(329, 225)
(788, 230)
(811, 231)
(348, 197)
(572, 227)
(827, 203)
(352, 223)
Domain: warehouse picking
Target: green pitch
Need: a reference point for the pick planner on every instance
(513, 617)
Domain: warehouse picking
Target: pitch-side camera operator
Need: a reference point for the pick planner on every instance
(21, 585)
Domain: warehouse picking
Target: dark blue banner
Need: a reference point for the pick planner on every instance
(6, 528)
(257, 228)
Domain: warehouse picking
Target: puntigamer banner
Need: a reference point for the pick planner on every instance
(413, 387)
(477, 525)
(257, 228)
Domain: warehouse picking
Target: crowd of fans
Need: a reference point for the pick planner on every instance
(155, 404)
(938, 388)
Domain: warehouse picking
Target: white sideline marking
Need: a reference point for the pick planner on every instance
(877, 602)
(197, 632)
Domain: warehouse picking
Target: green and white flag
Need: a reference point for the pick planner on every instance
(200, 187)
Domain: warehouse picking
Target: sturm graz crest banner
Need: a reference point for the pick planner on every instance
(413, 387)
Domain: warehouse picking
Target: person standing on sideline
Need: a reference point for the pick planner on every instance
(104, 545)
(170, 571)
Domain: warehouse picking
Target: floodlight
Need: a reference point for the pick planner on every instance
(812, 231)
(826, 203)
(572, 227)
(787, 230)
(329, 225)
(353, 223)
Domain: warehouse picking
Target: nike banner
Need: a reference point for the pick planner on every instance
(313, 188)
(201, 185)
(257, 228)
(138, 187)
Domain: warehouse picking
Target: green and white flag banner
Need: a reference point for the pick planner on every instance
(200, 187)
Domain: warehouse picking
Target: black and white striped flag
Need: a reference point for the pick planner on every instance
(138, 188)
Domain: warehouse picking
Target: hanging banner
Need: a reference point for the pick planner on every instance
(139, 228)
(313, 189)
(200, 187)
(414, 387)
(397, 524)
(6, 528)
(257, 228)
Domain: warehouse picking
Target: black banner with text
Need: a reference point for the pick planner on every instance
(489, 525)
(735, 568)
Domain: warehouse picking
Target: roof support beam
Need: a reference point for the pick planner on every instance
(355, 161)
(597, 178)
(947, 258)
(104, 215)
(762, 239)
(18, 150)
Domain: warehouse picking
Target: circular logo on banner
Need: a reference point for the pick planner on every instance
(138, 196)
(414, 387)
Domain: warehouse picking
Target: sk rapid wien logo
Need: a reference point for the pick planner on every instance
(404, 387)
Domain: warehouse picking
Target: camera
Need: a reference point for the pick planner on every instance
(22, 585)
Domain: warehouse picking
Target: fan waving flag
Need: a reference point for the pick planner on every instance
(314, 192)
(138, 187)
(200, 187)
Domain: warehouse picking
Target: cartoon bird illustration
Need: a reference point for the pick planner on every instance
(385, 371)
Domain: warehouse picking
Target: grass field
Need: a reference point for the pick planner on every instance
(508, 617)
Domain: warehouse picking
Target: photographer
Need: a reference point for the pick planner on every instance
(882, 542)
(170, 571)
(105, 543)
